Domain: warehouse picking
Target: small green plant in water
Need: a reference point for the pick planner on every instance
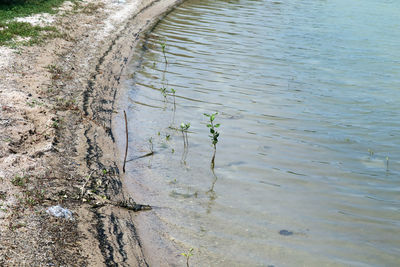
(163, 46)
(184, 129)
(173, 91)
(214, 134)
(371, 152)
(164, 92)
(151, 146)
(187, 256)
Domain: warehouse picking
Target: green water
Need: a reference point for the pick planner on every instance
(307, 168)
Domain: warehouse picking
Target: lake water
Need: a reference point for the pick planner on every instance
(307, 170)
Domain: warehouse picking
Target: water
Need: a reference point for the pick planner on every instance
(307, 166)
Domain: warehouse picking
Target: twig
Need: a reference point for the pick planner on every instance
(143, 156)
(126, 146)
(129, 205)
(132, 205)
(84, 185)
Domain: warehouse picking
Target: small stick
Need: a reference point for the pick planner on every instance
(129, 205)
(126, 146)
(143, 156)
(84, 185)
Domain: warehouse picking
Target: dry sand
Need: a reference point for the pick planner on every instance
(56, 141)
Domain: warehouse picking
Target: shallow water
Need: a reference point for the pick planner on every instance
(307, 167)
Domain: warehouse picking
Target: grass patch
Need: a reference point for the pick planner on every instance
(26, 33)
(10, 9)
(32, 198)
(13, 32)
(20, 180)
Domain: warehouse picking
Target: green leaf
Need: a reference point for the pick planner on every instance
(205, 114)
(217, 125)
(209, 125)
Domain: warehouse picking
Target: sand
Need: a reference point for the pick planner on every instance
(56, 140)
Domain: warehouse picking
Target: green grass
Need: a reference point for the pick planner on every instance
(10, 30)
(11, 9)
(20, 181)
(29, 34)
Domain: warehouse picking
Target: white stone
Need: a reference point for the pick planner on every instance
(60, 212)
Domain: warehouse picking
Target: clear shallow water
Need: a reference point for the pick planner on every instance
(304, 90)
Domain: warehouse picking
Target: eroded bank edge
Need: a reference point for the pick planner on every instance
(98, 103)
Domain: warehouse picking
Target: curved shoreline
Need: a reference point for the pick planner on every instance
(74, 161)
(111, 68)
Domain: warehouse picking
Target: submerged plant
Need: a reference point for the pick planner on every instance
(371, 152)
(187, 256)
(173, 91)
(163, 46)
(163, 91)
(151, 146)
(214, 134)
(184, 129)
(212, 196)
(387, 163)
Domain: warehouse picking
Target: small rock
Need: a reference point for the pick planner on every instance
(285, 232)
(60, 212)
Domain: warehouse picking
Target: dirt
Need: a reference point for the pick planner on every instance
(56, 142)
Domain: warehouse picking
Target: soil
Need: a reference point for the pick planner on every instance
(56, 141)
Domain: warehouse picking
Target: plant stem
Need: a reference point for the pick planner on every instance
(166, 61)
(387, 163)
(126, 145)
(184, 140)
(213, 158)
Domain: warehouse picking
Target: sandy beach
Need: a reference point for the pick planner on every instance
(56, 140)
